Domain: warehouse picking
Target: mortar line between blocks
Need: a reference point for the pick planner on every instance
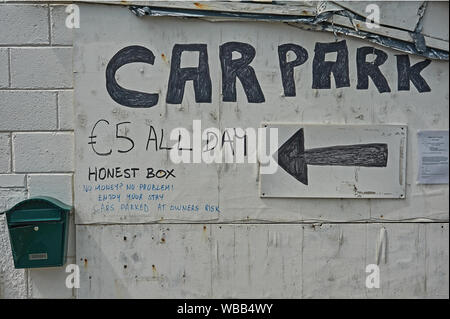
(35, 45)
(29, 174)
(36, 89)
(39, 131)
(47, 173)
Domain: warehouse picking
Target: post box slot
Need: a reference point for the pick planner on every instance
(21, 217)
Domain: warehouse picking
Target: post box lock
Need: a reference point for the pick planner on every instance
(38, 232)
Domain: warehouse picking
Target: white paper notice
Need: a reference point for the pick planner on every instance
(433, 157)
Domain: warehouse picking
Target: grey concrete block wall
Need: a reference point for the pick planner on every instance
(26, 24)
(65, 110)
(60, 35)
(24, 110)
(5, 152)
(13, 282)
(46, 68)
(36, 130)
(42, 152)
(12, 180)
(4, 67)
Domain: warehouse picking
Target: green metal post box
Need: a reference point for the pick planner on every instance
(38, 229)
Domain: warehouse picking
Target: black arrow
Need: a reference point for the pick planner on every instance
(294, 159)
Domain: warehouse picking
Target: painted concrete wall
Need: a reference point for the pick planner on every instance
(202, 260)
(255, 246)
(36, 129)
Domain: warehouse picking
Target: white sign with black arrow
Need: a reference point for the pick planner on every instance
(338, 161)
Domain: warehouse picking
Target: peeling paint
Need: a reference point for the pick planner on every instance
(321, 21)
(302, 248)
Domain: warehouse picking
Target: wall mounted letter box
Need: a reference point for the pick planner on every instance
(38, 229)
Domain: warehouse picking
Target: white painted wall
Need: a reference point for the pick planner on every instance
(197, 260)
(216, 255)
